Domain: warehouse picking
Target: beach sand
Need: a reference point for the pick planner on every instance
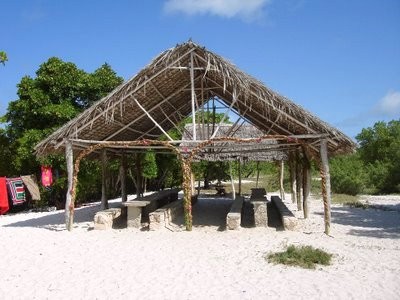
(41, 260)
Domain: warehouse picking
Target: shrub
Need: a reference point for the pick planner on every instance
(348, 175)
(304, 256)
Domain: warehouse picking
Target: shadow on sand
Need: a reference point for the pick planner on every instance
(370, 222)
(56, 221)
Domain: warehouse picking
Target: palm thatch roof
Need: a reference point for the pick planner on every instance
(161, 95)
(259, 150)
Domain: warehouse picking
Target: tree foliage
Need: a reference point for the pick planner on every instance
(57, 94)
(348, 175)
(3, 58)
(380, 152)
(375, 168)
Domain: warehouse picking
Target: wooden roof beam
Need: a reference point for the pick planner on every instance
(150, 110)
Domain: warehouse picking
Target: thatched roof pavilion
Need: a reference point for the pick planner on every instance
(176, 84)
(262, 150)
(160, 96)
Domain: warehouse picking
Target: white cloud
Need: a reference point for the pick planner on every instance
(389, 105)
(248, 10)
(386, 109)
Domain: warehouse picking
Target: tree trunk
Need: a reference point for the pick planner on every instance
(306, 185)
(258, 173)
(281, 175)
(69, 206)
(232, 182)
(138, 176)
(326, 185)
(122, 173)
(293, 185)
(104, 200)
(240, 177)
(299, 180)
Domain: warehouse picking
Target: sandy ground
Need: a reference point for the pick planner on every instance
(40, 260)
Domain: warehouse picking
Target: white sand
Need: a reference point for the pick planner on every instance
(40, 260)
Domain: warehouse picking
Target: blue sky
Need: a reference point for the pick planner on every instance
(339, 59)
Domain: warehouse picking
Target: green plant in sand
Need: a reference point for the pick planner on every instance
(303, 256)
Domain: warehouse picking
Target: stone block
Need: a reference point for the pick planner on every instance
(260, 213)
(289, 220)
(104, 219)
(233, 221)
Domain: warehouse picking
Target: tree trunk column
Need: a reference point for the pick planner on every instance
(293, 188)
(104, 201)
(326, 185)
(69, 206)
(240, 176)
(187, 194)
(281, 176)
(299, 180)
(122, 170)
(306, 185)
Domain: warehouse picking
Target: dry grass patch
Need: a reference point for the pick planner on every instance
(303, 256)
(352, 201)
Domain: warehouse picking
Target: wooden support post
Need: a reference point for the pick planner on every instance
(232, 182)
(69, 206)
(138, 176)
(326, 185)
(187, 197)
(122, 172)
(198, 187)
(306, 185)
(293, 185)
(104, 201)
(240, 176)
(299, 180)
(193, 96)
(192, 183)
(258, 173)
(281, 175)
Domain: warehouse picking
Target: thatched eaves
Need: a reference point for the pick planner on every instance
(159, 96)
(258, 150)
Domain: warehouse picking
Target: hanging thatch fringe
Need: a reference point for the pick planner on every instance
(167, 74)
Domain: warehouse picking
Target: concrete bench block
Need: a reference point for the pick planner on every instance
(139, 210)
(289, 220)
(260, 213)
(233, 221)
(104, 219)
(163, 217)
(234, 217)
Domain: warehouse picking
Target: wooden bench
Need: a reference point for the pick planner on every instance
(289, 221)
(234, 217)
(105, 219)
(139, 209)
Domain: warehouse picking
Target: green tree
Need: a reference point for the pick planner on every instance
(348, 174)
(57, 94)
(5, 152)
(149, 167)
(380, 151)
(3, 58)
